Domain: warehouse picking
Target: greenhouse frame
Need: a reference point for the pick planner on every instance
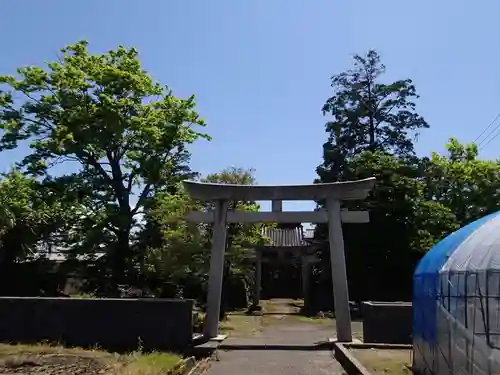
(456, 303)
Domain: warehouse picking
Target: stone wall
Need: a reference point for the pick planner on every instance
(387, 322)
(114, 324)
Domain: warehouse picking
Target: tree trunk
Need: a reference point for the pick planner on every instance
(120, 259)
(371, 114)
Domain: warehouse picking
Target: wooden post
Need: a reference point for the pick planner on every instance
(339, 273)
(216, 273)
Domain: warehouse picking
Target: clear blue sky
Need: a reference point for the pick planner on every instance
(260, 68)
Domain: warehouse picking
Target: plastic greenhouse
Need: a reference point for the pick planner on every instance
(456, 303)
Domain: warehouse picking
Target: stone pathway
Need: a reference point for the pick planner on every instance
(281, 330)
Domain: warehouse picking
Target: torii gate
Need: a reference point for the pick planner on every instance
(332, 193)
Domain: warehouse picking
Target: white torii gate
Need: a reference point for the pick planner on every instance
(332, 193)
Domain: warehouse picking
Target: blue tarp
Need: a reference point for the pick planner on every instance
(426, 280)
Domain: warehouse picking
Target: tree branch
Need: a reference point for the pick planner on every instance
(140, 202)
(149, 186)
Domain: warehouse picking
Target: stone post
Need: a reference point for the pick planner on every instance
(306, 272)
(258, 278)
(216, 273)
(339, 273)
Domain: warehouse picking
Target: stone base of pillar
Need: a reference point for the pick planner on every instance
(333, 340)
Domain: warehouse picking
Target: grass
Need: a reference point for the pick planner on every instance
(327, 321)
(275, 312)
(52, 359)
(315, 320)
(240, 324)
(155, 363)
(384, 361)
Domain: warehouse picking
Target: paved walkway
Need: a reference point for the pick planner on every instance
(279, 331)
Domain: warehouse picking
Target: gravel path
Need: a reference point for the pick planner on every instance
(284, 331)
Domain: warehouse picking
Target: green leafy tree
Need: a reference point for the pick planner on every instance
(16, 200)
(39, 222)
(7, 218)
(404, 224)
(372, 131)
(367, 114)
(103, 114)
(174, 249)
(180, 254)
(467, 185)
(242, 237)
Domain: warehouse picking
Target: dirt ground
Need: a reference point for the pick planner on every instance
(276, 312)
(385, 361)
(54, 360)
(52, 364)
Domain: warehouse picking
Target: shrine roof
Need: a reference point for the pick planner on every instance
(285, 237)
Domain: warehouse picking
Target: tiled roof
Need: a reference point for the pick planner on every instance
(285, 237)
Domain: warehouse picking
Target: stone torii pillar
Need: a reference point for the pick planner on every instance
(332, 193)
(338, 269)
(216, 272)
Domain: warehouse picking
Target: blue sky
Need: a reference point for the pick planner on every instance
(260, 68)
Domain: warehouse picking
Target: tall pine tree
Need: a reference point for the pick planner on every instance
(367, 115)
(371, 132)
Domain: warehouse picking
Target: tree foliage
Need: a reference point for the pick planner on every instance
(404, 224)
(178, 252)
(104, 115)
(367, 114)
(34, 214)
(461, 181)
(38, 219)
(416, 201)
(242, 237)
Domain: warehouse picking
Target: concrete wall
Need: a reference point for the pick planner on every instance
(115, 324)
(387, 322)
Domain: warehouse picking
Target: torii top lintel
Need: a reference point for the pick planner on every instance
(348, 190)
